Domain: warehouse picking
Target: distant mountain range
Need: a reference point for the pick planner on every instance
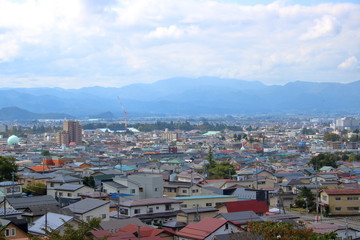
(185, 96)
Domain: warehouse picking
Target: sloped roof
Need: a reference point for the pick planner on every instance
(86, 205)
(242, 217)
(342, 191)
(54, 221)
(22, 203)
(69, 187)
(202, 229)
(114, 225)
(64, 179)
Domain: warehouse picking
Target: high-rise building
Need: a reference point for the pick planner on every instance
(348, 123)
(71, 133)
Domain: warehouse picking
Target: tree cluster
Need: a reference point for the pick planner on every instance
(7, 168)
(331, 137)
(286, 231)
(325, 159)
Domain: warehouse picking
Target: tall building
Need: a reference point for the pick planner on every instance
(71, 133)
(348, 123)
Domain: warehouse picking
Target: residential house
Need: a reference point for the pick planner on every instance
(141, 185)
(240, 218)
(259, 207)
(148, 232)
(342, 232)
(150, 210)
(89, 208)
(204, 201)
(52, 221)
(10, 188)
(195, 214)
(183, 189)
(70, 193)
(56, 182)
(14, 229)
(207, 229)
(340, 201)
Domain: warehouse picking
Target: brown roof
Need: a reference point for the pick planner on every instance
(202, 229)
(342, 191)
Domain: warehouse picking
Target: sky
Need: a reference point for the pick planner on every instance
(113, 43)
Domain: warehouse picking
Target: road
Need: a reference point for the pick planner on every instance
(353, 221)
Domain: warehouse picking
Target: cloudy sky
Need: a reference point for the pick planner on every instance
(78, 43)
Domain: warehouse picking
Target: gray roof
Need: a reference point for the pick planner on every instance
(23, 203)
(53, 221)
(70, 187)
(86, 205)
(9, 183)
(9, 211)
(64, 179)
(242, 217)
(114, 184)
(199, 210)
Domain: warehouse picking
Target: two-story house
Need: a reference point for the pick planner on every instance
(151, 210)
(89, 208)
(10, 188)
(70, 193)
(340, 201)
(56, 182)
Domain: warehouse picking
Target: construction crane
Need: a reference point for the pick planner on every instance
(124, 111)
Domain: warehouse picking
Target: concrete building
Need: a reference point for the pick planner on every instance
(71, 133)
(340, 201)
(348, 123)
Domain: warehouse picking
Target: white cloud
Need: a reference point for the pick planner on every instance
(323, 27)
(350, 63)
(173, 32)
(129, 41)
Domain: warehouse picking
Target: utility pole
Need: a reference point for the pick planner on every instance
(118, 204)
(347, 228)
(13, 183)
(46, 219)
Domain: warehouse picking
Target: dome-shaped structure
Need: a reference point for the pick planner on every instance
(13, 140)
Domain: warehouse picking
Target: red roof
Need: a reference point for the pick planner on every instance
(202, 229)
(342, 191)
(248, 205)
(40, 168)
(145, 231)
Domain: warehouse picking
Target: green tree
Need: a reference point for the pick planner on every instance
(221, 170)
(89, 181)
(286, 231)
(305, 198)
(71, 232)
(45, 153)
(324, 159)
(331, 137)
(35, 189)
(354, 157)
(7, 168)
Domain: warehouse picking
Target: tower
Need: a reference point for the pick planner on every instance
(71, 133)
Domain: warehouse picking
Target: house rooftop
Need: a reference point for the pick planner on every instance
(203, 197)
(86, 205)
(342, 191)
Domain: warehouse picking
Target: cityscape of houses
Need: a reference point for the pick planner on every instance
(181, 184)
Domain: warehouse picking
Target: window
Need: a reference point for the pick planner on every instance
(51, 184)
(69, 194)
(60, 194)
(10, 232)
(157, 207)
(156, 189)
(352, 198)
(124, 211)
(324, 198)
(103, 216)
(184, 191)
(132, 190)
(208, 204)
(141, 189)
(150, 210)
(226, 226)
(183, 205)
(137, 210)
(88, 218)
(338, 209)
(338, 198)
(353, 208)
